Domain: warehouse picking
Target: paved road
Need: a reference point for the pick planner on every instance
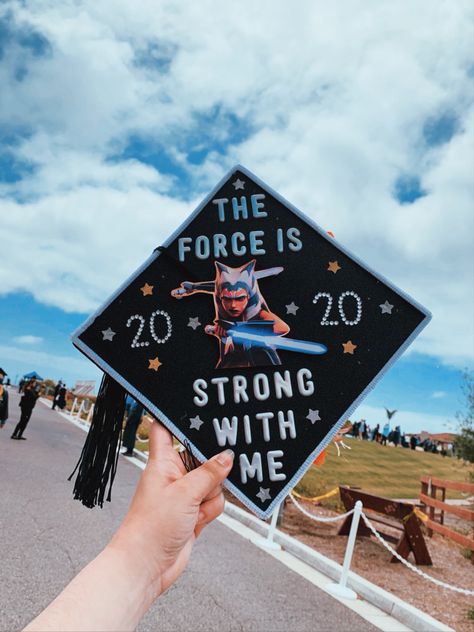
(46, 538)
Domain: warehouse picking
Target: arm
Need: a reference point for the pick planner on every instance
(280, 327)
(187, 288)
(151, 547)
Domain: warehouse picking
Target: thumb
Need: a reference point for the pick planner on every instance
(201, 481)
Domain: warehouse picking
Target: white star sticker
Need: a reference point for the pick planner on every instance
(313, 415)
(292, 308)
(386, 308)
(194, 322)
(196, 423)
(238, 184)
(264, 494)
(108, 334)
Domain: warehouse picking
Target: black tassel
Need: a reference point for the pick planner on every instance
(99, 457)
(187, 457)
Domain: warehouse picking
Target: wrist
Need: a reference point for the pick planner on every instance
(129, 551)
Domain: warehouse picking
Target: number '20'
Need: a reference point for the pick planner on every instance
(151, 323)
(340, 306)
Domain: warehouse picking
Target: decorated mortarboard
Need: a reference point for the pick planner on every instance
(250, 328)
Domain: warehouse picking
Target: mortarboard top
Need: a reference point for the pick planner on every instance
(249, 329)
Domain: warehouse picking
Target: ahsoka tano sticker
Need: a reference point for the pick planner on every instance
(250, 328)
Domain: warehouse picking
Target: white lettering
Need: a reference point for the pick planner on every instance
(198, 387)
(249, 470)
(273, 465)
(227, 433)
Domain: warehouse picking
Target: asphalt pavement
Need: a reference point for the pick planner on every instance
(46, 538)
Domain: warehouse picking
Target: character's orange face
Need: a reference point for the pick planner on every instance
(235, 301)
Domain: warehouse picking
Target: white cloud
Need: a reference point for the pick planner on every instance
(334, 100)
(50, 362)
(28, 340)
(438, 394)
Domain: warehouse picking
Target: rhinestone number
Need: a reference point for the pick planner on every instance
(136, 342)
(168, 326)
(340, 307)
(324, 320)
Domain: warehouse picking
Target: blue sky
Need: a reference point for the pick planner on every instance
(116, 119)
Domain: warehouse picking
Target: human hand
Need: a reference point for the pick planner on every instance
(185, 289)
(169, 510)
(216, 330)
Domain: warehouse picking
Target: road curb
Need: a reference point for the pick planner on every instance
(390, 604)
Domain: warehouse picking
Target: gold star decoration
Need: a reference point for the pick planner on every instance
(349, 347)
(154, 364)
(147, 289)
(333, 266)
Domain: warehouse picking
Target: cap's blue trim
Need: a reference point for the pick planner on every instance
(170, 425)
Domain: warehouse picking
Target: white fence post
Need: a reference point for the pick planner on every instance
(268, 543)
(340, 589)
(89, 414)
(81, 408)
(71, 412)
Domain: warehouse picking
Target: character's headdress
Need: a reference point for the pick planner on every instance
(233, 279)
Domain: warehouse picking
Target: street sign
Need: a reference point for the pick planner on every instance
(252, 329)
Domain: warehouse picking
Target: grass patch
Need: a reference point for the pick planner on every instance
(385, 471)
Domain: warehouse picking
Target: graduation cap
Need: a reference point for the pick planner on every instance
(3, 372)
(250, 328)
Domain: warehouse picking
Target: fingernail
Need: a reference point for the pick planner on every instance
(225, 458)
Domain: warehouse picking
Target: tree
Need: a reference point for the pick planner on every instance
(464, 443)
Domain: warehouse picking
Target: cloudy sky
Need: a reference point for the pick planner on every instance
(117, 117)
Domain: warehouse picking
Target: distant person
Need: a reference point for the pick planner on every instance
(385, 434)
(355, 429)
(27, 403)
(3, 401)
(376, 433)
(7, 383)
(413, 442)
(61, 397)
(397, 433)
(135, 412)
(57, 388)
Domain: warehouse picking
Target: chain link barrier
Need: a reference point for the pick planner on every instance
(318, 518)
(415, 569)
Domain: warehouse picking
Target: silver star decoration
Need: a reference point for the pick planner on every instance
(196, 423)
(313, 415)
(264, 494)
(194, 322)
(386, 308)
(292, 308)
(238, 184)
(108, 334)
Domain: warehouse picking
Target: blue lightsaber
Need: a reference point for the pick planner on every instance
(277, 342)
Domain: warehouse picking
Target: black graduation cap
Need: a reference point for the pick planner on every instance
(3, 372)
(250, 328)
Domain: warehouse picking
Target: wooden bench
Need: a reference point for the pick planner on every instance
(396, 515)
